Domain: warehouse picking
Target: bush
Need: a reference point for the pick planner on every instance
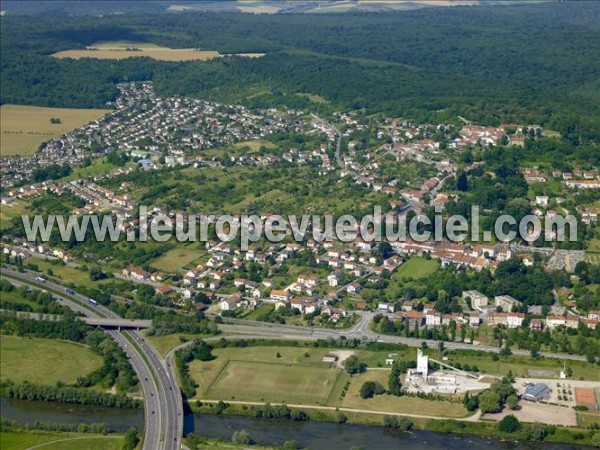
(369, 389)
(354, 365)
(397, 423)
(241, 437)
(509, 424)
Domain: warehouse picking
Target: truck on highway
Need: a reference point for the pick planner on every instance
(40, 280)
(92, 302)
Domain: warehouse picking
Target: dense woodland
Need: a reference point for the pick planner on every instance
(528, 63)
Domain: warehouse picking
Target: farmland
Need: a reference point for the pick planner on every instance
(123, 50)
(44, 360)
(24, 128)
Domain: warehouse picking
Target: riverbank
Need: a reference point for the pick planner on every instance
(464, 427)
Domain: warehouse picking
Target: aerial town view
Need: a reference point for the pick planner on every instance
(310, 224)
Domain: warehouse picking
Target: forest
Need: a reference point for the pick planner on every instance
(526, 63)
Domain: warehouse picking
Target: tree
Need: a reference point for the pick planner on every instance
(596, 440)
(534, 432)
(489, 402)
(354, 365)
(290, 445)
(369, 389)
(512, 402)
(241, 437)
(131, 440)
(509, 424)
(462, 182)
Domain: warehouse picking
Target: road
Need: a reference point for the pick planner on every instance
(163, 404)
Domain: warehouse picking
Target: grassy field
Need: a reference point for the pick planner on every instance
(162, 344)
(176, 259)
(66, 273)
(24, 128)
(45, 360)
(9, 212)
(58, 441)
(122, 50)
(275, 382)
(255, 145)
(586, 419)
(257, 374)
(416, 268)
(389, 403)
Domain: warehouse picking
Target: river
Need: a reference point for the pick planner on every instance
(313, 435)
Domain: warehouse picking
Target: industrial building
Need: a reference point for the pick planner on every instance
(536, 392)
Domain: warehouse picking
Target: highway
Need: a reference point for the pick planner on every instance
(163, 404)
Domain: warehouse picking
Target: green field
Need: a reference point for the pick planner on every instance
(24, 128)
(416, 268)
(257, 374)
(58, 441)
(64, 272)
(274, 382)
(587, 419)
(176, 259)
(45, 360)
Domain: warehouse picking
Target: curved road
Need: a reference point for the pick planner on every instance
(163, 404)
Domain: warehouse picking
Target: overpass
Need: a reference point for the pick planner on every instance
(117, 323)
(163, 403)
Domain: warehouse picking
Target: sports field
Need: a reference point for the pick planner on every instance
(258, 374)
(123, 50)
(45, 360)
(24, 128)
(273, 382)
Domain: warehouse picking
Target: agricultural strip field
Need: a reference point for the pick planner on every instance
(123, 50)
(45, 360)
(58, 441)
(24, 128)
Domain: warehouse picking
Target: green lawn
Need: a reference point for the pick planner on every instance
(259, 381)
(174, 260)
(257, 374)
(416, 268)
(63, 272)
(587, 419)
(45, 360)
(265, 308)
(163, 344)
(58, 441)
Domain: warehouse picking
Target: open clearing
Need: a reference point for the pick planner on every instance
(45, 360)
(56, 441)
(24, 128)
(416, 268)
(123, 50)
(176, 259)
